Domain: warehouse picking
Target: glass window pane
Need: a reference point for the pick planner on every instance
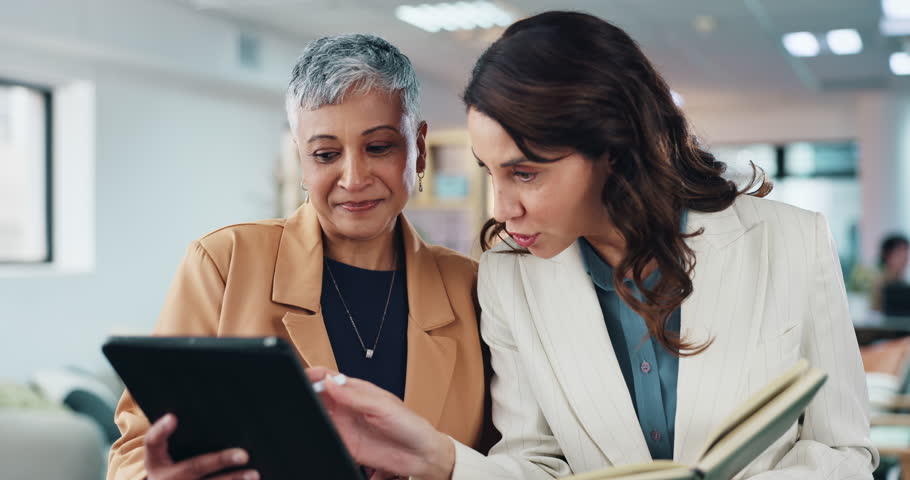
(815, 159)
(738, 158)
(818, 176)
(24, 231)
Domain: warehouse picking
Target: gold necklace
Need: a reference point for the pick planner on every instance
(367, 351)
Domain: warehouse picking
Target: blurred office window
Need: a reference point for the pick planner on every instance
(25, 174)
(817, 176)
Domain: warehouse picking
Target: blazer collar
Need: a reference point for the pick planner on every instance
(297, 280)
(732, 258)
(570, 324)
(719, 229)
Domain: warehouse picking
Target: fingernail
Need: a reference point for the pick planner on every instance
(319, 386)
(250, 476)
(340, 379)
(239, 457)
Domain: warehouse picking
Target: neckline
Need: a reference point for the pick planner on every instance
(366, 271)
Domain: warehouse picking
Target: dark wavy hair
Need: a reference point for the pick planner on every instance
(567, 79)
(889, 245)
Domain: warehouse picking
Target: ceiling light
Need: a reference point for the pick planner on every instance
(896, 8)
(895, 20)
(900, 63)
(894, 27)
(801, 44)
(844, 41)
(434, 17)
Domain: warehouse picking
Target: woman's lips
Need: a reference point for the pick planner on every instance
(358, 207)
(525, 241)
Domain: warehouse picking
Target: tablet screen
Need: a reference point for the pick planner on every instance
(248, 393)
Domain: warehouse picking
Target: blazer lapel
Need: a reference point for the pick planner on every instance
(566, 313)
(308, 333)
(726, 305)
(297, 282)
(431, 358)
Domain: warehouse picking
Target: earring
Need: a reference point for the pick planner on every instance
(420, 181)
(306, 193)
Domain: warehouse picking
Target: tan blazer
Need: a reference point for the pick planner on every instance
(265, 278)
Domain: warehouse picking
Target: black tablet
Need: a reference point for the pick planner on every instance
(248, 393)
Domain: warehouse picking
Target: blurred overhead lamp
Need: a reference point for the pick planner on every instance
(900, 63)
(801, 44)
(845, 41)
(896, 18)
(454, 16)
(704, 24)
(896, 8)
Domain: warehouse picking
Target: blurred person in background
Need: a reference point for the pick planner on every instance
(345, 279)
(639, 297)
(892, 260)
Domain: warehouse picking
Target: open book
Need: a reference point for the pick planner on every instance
(739, 438)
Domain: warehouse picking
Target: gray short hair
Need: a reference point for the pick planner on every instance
(331, 67)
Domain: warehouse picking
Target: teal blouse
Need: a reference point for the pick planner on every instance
(650, 371)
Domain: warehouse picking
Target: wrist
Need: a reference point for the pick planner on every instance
(440, 462)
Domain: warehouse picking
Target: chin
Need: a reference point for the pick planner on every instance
(547, 250)
(363, 229)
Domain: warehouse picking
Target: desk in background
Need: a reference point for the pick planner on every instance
(876, 327)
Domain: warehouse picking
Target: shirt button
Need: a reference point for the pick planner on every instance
(645, 367)
(656, 435)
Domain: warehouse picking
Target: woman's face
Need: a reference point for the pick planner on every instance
(896, 261)
(545, 206)
(359, 160)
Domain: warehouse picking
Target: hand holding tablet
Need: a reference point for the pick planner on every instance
(247, 396)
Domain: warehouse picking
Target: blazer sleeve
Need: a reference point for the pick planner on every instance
(834, 441)
(192, 308)
(527, 449)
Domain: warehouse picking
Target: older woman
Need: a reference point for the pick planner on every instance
(346, 278)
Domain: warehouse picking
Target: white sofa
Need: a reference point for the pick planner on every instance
(40, 444)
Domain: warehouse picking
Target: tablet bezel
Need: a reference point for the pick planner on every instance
(294, 437)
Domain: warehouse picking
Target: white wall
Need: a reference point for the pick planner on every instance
(774, 119)
(185, 142)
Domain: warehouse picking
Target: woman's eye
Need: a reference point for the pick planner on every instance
(324, 157)
(378, 149)
(524, 176)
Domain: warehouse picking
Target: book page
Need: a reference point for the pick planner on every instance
(735, 450)
(754, 403)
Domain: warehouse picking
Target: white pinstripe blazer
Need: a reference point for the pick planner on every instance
(769, 290)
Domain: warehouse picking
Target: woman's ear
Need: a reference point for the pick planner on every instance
(422, 147)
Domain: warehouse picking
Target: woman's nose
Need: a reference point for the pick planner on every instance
(356, 175)
(505, 206)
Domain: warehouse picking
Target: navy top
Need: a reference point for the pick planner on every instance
(365, 293)
(650, 371)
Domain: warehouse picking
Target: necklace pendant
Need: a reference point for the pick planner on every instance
(369, 353)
